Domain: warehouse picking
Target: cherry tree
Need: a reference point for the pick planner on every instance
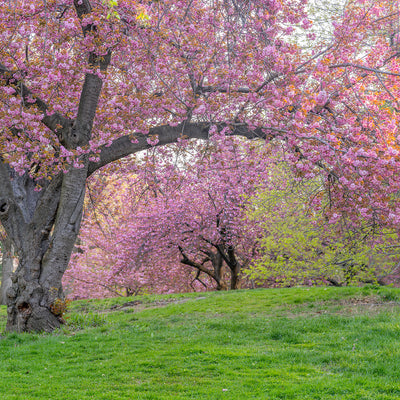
(105, 238)
(85, 83)
(184, 207)
(201, 216)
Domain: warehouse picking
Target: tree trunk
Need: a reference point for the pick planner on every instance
(7, 250)
(235, 278)
(227, 253)
(35, 300)
(31, 305)
(44, 225)
(235, 268)
(217, 262)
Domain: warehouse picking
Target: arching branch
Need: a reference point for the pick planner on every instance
(166, 134)
(200, 267)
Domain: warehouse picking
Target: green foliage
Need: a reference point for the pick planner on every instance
(111, 10)
(299, 343)
(304, 242)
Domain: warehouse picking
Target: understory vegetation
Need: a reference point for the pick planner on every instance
(296, 343)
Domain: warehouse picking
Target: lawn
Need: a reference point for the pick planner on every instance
(297, 343)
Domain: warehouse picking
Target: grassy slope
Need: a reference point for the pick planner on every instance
(318, 343)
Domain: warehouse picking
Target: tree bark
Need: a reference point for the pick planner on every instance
(35, 300)
(30, 306)
(235, 268)
(217, 263)
(214, 273)
(227, 253)
(7, 250)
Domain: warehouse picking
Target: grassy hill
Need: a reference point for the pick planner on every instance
(299, 343)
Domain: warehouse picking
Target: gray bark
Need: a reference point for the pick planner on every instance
(7, 251)
(129, 144)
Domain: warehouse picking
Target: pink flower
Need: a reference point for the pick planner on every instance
(321, 98)
(201, 109)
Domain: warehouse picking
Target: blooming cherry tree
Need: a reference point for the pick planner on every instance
(105, 239)
(84, 83)
(181, 223)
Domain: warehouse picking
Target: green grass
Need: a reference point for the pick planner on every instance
(299, 343)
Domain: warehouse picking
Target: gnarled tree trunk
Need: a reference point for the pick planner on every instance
(44, 240)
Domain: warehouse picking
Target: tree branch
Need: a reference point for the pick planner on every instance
(166, 134)
(376, 71)
(53, 121)
(200, 267)
(81, 131)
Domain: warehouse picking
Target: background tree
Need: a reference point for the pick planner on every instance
(300, 245)
(103, 240)
(198, 213)
(181, 220)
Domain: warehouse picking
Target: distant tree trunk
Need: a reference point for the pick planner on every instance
(228, 255)
(214, 273)
(7, 250)
(218, 263)
(234, 278)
